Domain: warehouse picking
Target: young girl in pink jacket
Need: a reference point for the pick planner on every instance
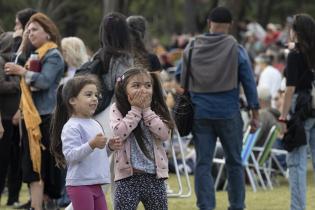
(141, 118)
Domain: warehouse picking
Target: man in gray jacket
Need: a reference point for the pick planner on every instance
(218, 66)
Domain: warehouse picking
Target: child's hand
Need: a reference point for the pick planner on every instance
(115, 143)
(136, 99)
(147, 99)
(98, 142)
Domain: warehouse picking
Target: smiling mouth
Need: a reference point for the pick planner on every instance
(93, 105)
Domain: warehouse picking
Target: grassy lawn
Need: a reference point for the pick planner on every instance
(276, 199)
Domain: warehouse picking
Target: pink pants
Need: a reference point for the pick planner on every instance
(89, 197)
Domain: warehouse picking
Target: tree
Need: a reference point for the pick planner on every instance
(115, 5)
(236, 7)
(263, 11)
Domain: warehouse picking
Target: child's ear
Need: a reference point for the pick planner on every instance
(72, 101)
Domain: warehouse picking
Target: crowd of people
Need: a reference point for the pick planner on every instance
(72, 121)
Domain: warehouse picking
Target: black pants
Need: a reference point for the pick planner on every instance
(10, 161)
(50, 174)
(145, 188)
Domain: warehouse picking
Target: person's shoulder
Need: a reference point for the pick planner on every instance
(113, 106)
(53, 53)
(123, 59)
(294, 53)
(295, 56)
(154, 62)
(242, 53)
(272, 70)
(70, 124)
(78, 124)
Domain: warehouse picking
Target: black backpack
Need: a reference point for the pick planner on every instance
(94, 66)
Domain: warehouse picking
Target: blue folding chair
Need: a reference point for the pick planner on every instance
(249, 140)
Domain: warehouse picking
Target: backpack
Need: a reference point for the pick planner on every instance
(94, 66)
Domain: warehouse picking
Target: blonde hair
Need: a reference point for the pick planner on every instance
(74, 51)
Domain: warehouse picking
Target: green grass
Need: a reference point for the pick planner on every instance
(276, 199)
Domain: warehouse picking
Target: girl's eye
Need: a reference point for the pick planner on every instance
(148, 85)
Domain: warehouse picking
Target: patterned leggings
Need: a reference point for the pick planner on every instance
(145, 188)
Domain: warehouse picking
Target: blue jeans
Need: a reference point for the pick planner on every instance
(206, 132)
(297, 164)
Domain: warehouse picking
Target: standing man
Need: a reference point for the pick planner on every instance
(218, 65)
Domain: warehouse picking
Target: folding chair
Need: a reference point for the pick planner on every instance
(249, 140)
(261, 163)
(273, 154)
(267, 155)
(247, 149)
(180, 193)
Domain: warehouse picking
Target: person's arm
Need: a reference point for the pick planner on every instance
(1, 128)
(8, 86)
(72, 148)
(292, 79)
(247, 80)
(288, 94)
(155, 124)
(52, 66)
(123, 126)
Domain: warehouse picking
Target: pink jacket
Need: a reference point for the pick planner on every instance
(123, 126)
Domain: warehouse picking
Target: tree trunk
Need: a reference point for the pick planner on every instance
(169, 22)
(235, 6)
(115, 6)
(190, 16)
(264, 11)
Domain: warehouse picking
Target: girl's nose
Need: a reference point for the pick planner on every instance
(95, 97)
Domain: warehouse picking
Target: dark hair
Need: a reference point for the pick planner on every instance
(158, 104)
(114, 37)
(137, 27)
(304, 27)
(24, 15)
(64, 110)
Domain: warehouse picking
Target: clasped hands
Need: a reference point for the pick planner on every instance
(100, 141)
(141, 99)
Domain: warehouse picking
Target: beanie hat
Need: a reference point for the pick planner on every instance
(220, 15)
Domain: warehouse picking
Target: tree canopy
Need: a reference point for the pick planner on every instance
(81, 18)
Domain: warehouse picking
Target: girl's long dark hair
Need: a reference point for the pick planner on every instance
(304, 27)
(64, 110)
(114, 38)
(158, 104)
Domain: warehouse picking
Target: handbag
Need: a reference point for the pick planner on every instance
(295, 136)
(183, 109)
